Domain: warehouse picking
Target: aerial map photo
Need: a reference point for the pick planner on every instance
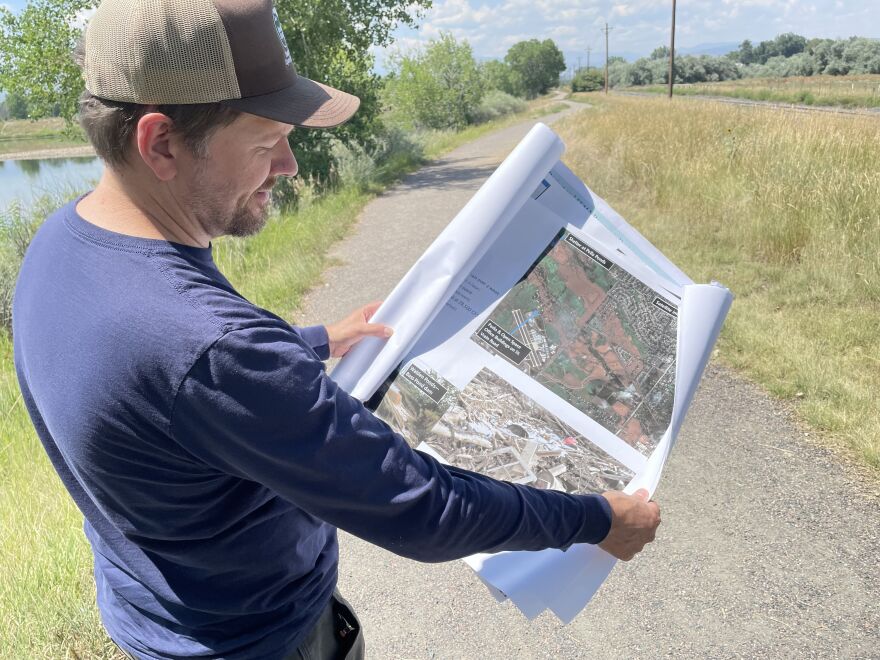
(492, 428)
(593, 334)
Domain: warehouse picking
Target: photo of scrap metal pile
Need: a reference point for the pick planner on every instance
(492, 428)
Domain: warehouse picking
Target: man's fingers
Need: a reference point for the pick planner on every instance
(377, 330)
(370, 309)
(642, 494)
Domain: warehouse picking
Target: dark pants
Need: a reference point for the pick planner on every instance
(336, 636)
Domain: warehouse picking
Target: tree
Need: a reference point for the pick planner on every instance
(497, 75)
(745, 54)
(641, 72)
(438, 87)
(535, 66)
(16, 106)
(588, 80)
(35, 56)
(660, 53)
(331, 41)
(789, 44)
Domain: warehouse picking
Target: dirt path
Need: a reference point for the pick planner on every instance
(768, 547)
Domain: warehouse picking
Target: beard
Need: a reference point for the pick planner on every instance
(245, 222)
(219, 220)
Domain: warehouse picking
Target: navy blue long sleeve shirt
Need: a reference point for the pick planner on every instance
(213, 458)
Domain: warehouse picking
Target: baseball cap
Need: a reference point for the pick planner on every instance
(205, 51)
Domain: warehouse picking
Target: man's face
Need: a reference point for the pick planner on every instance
(229, 189)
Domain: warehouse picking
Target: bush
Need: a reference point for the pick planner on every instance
(354, 166)
(496, 104)
(587, 80)
(397, 150)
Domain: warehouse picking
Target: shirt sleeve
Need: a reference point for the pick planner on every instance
(258, 405)
(317, 338)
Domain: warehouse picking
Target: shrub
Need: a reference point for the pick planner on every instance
(496, 104)
(588, 80)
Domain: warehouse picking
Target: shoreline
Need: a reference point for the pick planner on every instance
(56, 152)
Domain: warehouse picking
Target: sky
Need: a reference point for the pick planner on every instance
(637, 26)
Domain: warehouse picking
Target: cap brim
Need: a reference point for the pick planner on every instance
(306, 104)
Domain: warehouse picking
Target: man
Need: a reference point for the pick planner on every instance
(211, 455)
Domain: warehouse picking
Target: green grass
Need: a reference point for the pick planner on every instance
(46, 588)
(838, 91)
(18, 135)
(782, 208)
(47, 594)
(278, 266)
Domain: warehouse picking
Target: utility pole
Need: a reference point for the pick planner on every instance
(579, 63)
(672, 53)
(607, 30)
(588, 56)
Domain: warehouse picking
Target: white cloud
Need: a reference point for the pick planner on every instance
(638, 26)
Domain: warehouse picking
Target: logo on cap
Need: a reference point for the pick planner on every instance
(281, 38)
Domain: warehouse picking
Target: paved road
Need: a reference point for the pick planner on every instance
(768, 548)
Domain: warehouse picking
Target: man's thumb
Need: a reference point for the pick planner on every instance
(642, 494)
(378, 330)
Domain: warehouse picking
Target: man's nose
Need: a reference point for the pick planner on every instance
(284, 162)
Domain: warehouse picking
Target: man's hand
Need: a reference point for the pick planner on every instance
(349, 331)
(634, 522)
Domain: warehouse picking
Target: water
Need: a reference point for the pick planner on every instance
(27, 180)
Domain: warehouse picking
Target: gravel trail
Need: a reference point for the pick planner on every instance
(769, 545)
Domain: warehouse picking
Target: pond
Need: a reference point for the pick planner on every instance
(27, 180)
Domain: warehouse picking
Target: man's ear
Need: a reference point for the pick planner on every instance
(155, 145)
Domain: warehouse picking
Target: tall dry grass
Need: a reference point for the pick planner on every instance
(857, 91)
(782, 207)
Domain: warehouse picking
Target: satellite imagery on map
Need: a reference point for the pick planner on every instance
(492, 428)
(593, 334)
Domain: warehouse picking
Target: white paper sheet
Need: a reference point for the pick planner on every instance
(442, 313)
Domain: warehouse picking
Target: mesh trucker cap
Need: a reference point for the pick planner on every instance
(205, 51)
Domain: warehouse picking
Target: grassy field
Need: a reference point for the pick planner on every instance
(46, 588)
(782, 207)
(843, 91)
(26, 135)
